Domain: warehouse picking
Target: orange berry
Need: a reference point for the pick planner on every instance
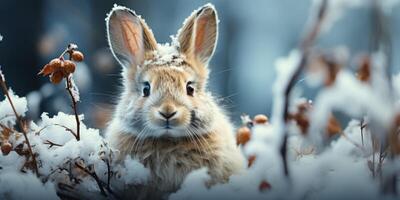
(69, 67)
(56, 77)
(55, 63)
(243, 135)
(6, 147)
(260, 119)
(77, 56)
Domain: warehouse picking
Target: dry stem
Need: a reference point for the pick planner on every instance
(305, 47)
(74, 107)
(20, 124)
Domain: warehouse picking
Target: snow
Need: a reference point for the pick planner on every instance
(6, 112)
(16, 185)
(342, 167)
(318, 170)
(91, 151)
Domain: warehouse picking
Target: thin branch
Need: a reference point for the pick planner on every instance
(305, 46)
(74, 107)
(60, 125)
(20, 123)
(51, 144)
(94, 176)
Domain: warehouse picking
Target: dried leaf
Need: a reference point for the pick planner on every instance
(333, 127)
(364, 71)
(47, 69)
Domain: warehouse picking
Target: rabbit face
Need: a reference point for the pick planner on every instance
(164, 85)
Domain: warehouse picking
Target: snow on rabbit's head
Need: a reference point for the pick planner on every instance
(164, 85)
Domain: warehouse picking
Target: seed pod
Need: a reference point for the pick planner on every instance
(77, 56)
(6, 147)
(56, 77)
(243, 135)
(69, 67)
(55, 63)
(260, 119)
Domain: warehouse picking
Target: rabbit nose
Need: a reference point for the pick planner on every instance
(167, 115)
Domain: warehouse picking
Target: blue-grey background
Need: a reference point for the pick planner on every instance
(252, 35)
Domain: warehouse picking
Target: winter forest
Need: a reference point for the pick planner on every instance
(200, 100)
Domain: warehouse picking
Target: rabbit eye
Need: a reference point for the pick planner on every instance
(146, 89)
(189, 88)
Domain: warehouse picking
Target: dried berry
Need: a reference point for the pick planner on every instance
(243, 135)
(264, 185)
(69, 67)
(55, 63)
(77, 56)
(6, 147)
(260, 119)
(301, 120)
(56, 77)
(251, 160)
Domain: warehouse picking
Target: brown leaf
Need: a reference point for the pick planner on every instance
(333, 127)
(5, 132)
(332, 71)
(364, 71)
(46, 70)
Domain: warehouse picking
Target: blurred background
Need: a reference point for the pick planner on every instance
(252, 35)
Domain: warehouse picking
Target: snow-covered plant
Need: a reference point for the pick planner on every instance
(302, 151)
(59, 156)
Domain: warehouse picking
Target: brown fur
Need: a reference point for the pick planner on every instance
(201, 134)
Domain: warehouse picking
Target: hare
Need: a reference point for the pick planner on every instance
(165, 117)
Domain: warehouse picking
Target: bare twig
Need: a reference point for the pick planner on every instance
(51, 144)
(305, 46)
(74, 106)
(60, 125)
(102, 186)
(19, 122)
(94, 176)
(362, 126)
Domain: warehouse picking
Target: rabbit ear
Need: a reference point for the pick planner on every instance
(129, 37)
(198, 36)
